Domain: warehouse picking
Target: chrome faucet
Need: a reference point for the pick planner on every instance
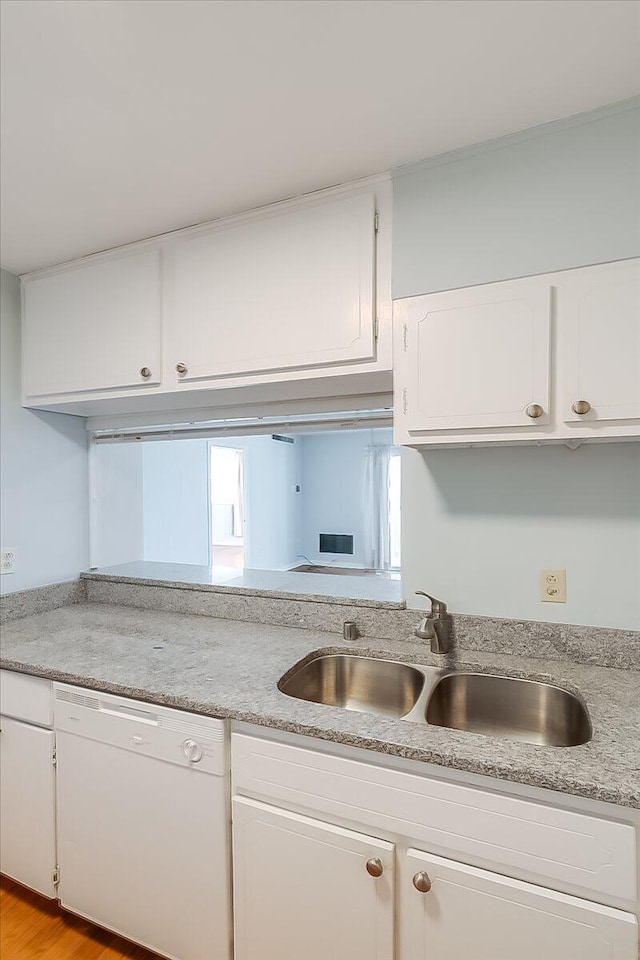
(436, 626)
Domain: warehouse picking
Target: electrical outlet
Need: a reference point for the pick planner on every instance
(553, 586)
(7, 560)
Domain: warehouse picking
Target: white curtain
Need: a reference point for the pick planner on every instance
(238, 505)
(376, 498)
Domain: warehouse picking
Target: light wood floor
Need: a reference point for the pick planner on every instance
(33, 928)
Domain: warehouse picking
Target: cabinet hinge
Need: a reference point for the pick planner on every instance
(55, 876)
(376, 222)
(405, 404)
(405, 337)
(54, 756)
(376, 328)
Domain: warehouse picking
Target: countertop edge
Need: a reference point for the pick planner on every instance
(496, 771)
(264, 593)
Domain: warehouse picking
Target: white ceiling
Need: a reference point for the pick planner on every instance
(126, 118)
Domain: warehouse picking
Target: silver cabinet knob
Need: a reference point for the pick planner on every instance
(145, 372)
(181, 367)
(581, 407)
(421, 882)
(534, 410)
(374, 867)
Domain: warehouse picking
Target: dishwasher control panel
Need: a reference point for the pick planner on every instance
(187, 739)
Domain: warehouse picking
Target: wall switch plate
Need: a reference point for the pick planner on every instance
(553, 586)
(7, 560)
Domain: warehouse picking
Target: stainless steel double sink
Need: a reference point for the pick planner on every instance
(498, 706)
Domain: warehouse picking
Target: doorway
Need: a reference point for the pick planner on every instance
(226, 466)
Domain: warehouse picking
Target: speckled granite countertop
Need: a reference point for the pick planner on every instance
(226, 668)
(370, 590)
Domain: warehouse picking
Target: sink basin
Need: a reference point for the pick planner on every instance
(498, 706)
(505, 707)
(356, 683)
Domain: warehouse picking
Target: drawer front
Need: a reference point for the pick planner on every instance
(550, 845)
(26, 698)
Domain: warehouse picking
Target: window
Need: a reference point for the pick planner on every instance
(321, 501)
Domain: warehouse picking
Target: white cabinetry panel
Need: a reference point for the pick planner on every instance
(475, 358)
(27, 805)
(278, 293)
(508, 833)
(93, 326)
(26, 698)
(301, 888)
(288, 303)
(600, 312)
(474, 913)
(469, 364)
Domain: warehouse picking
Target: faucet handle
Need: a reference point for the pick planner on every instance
(438, 607)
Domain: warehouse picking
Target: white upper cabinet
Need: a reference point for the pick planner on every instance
(264, 304)
(550, 359)
(601, 344)
(93, 326)
(477, 358)
(282, 293)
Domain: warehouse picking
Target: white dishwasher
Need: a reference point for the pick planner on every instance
(144, 822)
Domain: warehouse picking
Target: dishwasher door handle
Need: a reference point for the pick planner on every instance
(130, 713)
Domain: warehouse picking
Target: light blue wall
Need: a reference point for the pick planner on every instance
(175, 501)
(118, 537)
(560, 196)
(44, 510)
(333, 492)
(479, 525)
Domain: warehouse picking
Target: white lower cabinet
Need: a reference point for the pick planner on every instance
(305, 888)
(302, 886)
(27, 805)
(331, 855)
(309, 889)
(452, 911)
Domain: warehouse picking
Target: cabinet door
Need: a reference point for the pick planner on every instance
(27, 805)
(487, 916)
(473, 358)
(302, 889)
(93, 327)
(285, 292)
(599, 319)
